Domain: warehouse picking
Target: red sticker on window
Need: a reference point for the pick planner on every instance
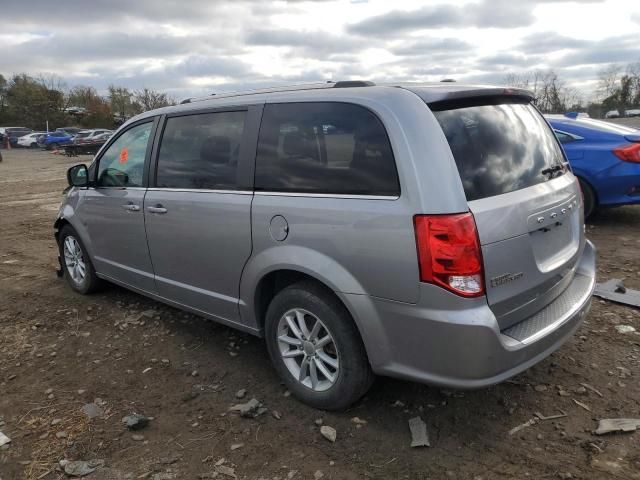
(124, 155)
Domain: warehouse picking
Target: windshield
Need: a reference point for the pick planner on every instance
(500, 148)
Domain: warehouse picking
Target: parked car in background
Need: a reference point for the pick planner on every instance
(634, 112)
(7, 131)
(604, 156)
(54, 140)
(612, 114)
(432, 233)
(14, 133)
(69, 130)
(30, 140)
(89, 146)
(84, 136)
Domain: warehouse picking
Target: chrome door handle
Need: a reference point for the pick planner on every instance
(157, 209)
(131, 207)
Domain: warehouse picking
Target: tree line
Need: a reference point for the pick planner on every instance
(618, 89)
(35, 101)
(32, 101)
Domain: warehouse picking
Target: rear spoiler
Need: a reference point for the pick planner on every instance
(451, 92)
(447, 98)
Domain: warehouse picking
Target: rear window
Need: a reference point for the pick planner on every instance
(500, 148)
(324, 147)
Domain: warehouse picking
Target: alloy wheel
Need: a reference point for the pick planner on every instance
(74, 260)
(308, 349)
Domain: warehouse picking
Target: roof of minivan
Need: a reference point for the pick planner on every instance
(429, 92)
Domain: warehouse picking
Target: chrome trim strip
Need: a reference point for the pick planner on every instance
(328, 195)
(200, 190)
(578, 309)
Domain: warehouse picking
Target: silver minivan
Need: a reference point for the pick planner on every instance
(433, 233)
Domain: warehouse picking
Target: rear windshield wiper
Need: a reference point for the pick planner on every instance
(552, 171)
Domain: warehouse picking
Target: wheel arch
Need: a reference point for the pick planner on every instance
(273, 282)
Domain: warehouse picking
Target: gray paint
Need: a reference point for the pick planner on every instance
(209, 250)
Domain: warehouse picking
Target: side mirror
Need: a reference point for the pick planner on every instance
(78, 176)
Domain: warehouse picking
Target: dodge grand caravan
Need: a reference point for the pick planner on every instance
(433, 233)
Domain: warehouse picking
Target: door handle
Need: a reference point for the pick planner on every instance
(131, 207)
(157, 209)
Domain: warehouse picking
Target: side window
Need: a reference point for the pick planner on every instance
(564, 138)
(122, 165)
(325, 147)
(201, 151)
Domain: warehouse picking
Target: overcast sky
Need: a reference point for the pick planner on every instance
(196, 47)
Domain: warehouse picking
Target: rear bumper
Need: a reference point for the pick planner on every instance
(433, 344)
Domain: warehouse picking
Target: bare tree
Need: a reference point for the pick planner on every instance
(149, 99)
(552, 94)
(608, 80)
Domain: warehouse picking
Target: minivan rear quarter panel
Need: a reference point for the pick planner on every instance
(357, 244)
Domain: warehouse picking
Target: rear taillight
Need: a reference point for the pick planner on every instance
(449, 253)
(628, 153)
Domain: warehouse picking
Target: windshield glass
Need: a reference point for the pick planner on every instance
(500, 148)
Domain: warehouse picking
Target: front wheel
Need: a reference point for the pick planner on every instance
(316, 348)
(78, 269)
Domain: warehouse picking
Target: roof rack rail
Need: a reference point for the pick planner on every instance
(285, 88)
(353, 83)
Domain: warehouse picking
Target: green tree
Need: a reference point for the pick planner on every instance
(30, 103)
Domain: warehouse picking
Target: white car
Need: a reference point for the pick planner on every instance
(612, 114)
(30, 139)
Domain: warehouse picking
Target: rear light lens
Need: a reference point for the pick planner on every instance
(628, 153)
(449, 253)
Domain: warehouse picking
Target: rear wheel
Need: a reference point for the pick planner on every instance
(589, 199)
(316, 348)
(34, 145)
(78, 269)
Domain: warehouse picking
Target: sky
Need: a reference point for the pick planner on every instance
(197, 47)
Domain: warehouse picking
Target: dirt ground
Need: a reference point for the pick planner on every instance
(125, 353)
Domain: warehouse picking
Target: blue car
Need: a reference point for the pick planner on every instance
(54, 140)
(604, 156)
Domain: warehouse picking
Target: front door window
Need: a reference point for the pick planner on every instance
(122, 165)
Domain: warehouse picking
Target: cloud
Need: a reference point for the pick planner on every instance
(548, 42)
(314, 43)
(619, 49)
(427, 46)
(481, 14)
(204, 45)
(501, 60)
(399, 21)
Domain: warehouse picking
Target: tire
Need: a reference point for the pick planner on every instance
(53, 146)
(590, 201)
(74, 264)
(342, 371)
(34, 145)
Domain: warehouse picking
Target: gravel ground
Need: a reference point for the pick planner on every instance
(123, 353)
